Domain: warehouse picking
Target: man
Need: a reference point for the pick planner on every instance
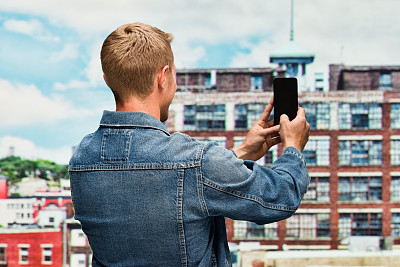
(145, 197)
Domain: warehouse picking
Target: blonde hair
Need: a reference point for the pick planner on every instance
(131, 56)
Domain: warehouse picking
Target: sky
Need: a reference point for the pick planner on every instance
(51, 88)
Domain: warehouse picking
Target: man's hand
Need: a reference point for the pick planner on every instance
(261, 137)
(296, 132)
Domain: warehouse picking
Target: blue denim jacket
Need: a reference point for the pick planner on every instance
(145, 197)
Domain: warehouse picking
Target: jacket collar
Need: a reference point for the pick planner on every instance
(131, 119)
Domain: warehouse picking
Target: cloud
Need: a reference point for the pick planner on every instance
(32, 28)
(27, 149)
(22, 105)
(69, 51)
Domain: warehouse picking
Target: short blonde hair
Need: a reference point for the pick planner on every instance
(131, 56)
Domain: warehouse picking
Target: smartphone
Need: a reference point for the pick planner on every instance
(285, 98)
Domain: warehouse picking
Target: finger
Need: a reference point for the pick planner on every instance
(301, 112)
(271, 131)
(275, 140)
(284, 118)
(267, 111)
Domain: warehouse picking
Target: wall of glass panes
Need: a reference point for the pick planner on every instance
(316, 152)
(360, 224)
(360, 152)
(317, 115)
(365, 188)
(243, 229)
(395, 152)
(247, 114)
(395, 116)
(308, 225)
(204, 117)
(395, 188)
(318, 189)
(360, 116)
(395, 224)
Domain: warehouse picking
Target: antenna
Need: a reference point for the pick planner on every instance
(291, 22)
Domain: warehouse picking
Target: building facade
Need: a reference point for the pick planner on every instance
(353, 154)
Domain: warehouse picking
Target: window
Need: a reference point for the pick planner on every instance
(360, 152)
(385, 81)
(47, 253)
(204, 117)
(318, 189)
(395, 188)
(247, 114)
(243, 229)
(396, 224)
(3, 253)
(360, 224)
(360, 188)
(360, 116)
(316, 152)
(395, 116)
(308, 225)
(23, 254)
(217, 139)
(256, 83)
(317, 115)
(395, 152)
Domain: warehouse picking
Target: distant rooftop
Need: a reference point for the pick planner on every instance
(292, 51)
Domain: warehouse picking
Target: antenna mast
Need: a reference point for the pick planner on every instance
(291, 22)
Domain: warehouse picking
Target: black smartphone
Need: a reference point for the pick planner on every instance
(285, 98)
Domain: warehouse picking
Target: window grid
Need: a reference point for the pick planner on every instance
(316, 152)
(396, 224)
(385, 81)
(3, 254)
(395, 152)
(360, 224)
(395, 188)
(247, 114)
(243, 229)
(47, 254)
(318, 189)
(360, 188)
(204, 117)
(317, 115)
(395, 116)
(256, 83)
(24, 255)
(360, 116)
(308, 225)
(360, 152)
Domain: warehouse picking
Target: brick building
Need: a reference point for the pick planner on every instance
(30, 247)
(353, 154)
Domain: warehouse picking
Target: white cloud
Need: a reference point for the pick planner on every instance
(22, 104)
(27, 149)
(69, 51)
(32, 28)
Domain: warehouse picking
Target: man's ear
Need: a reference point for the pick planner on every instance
(105, 79)
(162, 76)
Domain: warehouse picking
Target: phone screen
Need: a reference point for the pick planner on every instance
(285, 98)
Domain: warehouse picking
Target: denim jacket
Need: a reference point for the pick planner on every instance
(146, 197)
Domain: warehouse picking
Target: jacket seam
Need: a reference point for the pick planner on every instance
(200, 181)
(181, 229)
(241, 195)
(136, 166)
(295, 153)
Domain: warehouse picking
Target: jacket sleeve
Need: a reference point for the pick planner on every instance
(244, 190)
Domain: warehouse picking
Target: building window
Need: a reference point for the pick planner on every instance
(317, 115)
(360, 224)
(385, 81)
(395, 152)
(395, 224)
(316, 152)
(221, 141)
(243, 229)
(360, 152)
(395, 116)
(47, 254)
(247, 114)
(308, 225)
(204, 117)
(23, 254)
(395, 188)
(360, 188)
(360, 116)
(256, 83)
(318, 189)
(3, 254)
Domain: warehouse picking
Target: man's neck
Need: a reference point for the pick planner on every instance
(147, 105)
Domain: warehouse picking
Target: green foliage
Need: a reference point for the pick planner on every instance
(16, 168)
